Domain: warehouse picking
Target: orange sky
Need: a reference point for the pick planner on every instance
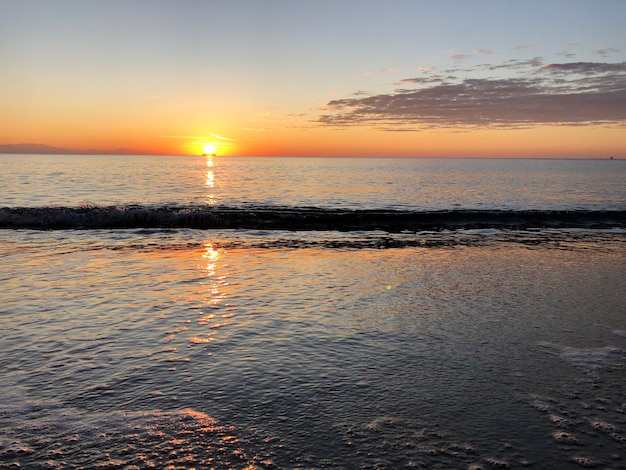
(167, 78)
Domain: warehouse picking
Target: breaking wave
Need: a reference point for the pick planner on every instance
(299, 218)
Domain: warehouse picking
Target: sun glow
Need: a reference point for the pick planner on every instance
(209, 148)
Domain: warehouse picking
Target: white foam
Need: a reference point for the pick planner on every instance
(589, 359)
(50, 431)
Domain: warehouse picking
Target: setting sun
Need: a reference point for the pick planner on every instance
(265, 218)
(209, 148)
(463, 89)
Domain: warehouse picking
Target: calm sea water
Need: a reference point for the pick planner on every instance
(367, 183)
(183, 348)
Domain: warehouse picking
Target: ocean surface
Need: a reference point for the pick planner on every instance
(278, 313)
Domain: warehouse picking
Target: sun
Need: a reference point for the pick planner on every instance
(209, 148)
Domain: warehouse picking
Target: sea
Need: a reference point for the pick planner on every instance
(178, 312)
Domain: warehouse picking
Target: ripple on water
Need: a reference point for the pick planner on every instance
(582, 432)
(398, 443)
(70, 439)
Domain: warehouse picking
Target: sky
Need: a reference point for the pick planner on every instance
(449, 78)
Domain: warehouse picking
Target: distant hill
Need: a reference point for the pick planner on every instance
(48, 149)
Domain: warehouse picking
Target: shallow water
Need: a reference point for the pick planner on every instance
(312, 350)
(467, 346)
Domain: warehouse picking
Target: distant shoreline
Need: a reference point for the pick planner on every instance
(43, 149)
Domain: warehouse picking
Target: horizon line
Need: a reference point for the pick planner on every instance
(45, 149)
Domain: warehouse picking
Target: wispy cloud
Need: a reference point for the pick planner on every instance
(587, 68)
(219, 137)
(421, 80)
(575, 93)
(606, 51)
(518, 64)
(197, 137)
(183, 136)
(457, 56)
(381, 71)
(567, 54)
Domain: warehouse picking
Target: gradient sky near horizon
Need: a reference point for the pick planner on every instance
(481, 78)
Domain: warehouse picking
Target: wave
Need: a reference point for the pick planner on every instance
(300, 218)
(151, 228)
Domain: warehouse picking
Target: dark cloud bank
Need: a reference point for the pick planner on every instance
(577, 93)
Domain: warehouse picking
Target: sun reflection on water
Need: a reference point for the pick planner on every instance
(213, 296)
(210, 180)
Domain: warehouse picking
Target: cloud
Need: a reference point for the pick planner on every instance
(456, 56)
(183, 136)
(380, 71)
(421, 80)
(578, 93)
(219, 137)
(199, 138)
(567, 54)
(482, 51)
(606, 51)
(586, 67)
(519, 64)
